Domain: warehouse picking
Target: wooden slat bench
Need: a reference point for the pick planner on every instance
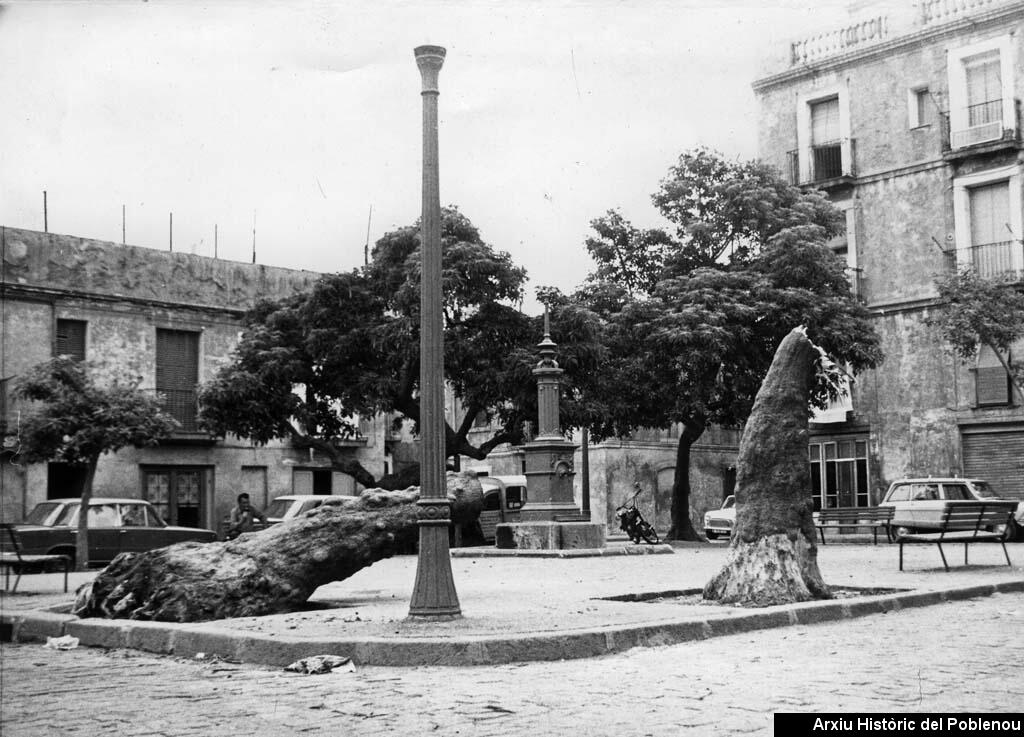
(966, 522)
(863, 517)
(11, 557)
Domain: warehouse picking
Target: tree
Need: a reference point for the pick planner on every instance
(308, 365)
(691, 341)
(270, 571)
(78, 419)
(983, 311)
(773, 556)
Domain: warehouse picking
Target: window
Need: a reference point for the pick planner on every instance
(987, 212)
(991, 237)
(70, 339)
(992, 382)
(825, 145)
(981, 101)
(177, 373)
(984, 89)
(839, 474)
(823, 137)
(918, 107)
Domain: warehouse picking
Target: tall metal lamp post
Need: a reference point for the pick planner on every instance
(434, 593)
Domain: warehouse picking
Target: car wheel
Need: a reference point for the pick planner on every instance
(711, 534)
(900, 531)
(1011, 532)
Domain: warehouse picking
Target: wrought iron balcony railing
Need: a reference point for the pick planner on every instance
(182, 405)
(822, 162)
(981, 123)
(1003, 259)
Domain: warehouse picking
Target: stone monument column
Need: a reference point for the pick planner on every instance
(434, 593)
(549, 457)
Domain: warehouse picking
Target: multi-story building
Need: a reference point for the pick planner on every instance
(173, 319)
(909, 117)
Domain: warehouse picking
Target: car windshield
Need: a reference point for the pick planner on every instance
(68, 516)
(279, 507)
(729, 502)
(43, 514)
(983, 490)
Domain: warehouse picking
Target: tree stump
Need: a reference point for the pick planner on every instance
(270, 571)
(773, 555)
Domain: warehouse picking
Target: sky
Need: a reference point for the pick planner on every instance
(302, 120)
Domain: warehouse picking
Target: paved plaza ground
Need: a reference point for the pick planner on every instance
(962, 654)
(956, 656)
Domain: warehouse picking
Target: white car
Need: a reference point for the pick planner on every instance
(504, 496)
(918, 503)
(291, 506)
(720, 521)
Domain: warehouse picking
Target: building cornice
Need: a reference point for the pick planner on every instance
(886, 48)
(50, 295)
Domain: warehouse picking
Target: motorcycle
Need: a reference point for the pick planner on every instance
(633, 523)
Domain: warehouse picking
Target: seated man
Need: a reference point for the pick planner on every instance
(241, 518)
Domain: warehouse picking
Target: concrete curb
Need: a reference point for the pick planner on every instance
(659, 549)
(186, 640)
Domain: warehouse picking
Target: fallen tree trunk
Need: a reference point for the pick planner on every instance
(274, 570)
(773, 556)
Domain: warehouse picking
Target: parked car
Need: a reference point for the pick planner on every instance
(720, 521)
(918, 503)
(115, 526)
(292, 505)
(288, 507)
(504, 496)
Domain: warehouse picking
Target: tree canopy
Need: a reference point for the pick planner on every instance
(695, 316)
(980, 311)
(309, 365)
(77, 417)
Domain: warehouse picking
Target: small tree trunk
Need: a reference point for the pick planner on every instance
(271, 571)
(682, 526)
(773, 556)
(82, 535)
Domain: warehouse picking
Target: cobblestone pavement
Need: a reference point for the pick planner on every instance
(944, 658)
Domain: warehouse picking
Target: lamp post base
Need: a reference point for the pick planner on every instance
(434, 594)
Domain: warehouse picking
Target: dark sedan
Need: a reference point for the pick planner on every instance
(115, 526)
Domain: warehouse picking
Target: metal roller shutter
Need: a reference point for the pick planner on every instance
(997, 457)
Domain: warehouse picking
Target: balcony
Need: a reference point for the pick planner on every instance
(1003, 260)
(825, 165)
(980, 128)
(183, 406)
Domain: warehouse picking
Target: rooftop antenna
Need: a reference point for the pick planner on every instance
(366, 248)
(215, 240)
(254, 236)
(46, 222)
(124, 241)
(170, 232)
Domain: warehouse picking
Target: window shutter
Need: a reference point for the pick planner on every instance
(177, 373)
(71, 339)
(990, 213)
(992, 382)
(825, 121)
(984, 82)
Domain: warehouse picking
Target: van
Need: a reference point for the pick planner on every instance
(504, 496)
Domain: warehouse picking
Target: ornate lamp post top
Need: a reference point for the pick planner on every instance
(547, 346)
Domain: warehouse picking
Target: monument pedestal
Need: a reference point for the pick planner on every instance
(550, 519)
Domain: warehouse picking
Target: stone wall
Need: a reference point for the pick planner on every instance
(125, 293)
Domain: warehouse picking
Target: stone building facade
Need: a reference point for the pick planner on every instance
(172, 319)
(909, 117)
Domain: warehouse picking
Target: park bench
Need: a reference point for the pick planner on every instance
(965, 522)
(862, 517)
(11, 558)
